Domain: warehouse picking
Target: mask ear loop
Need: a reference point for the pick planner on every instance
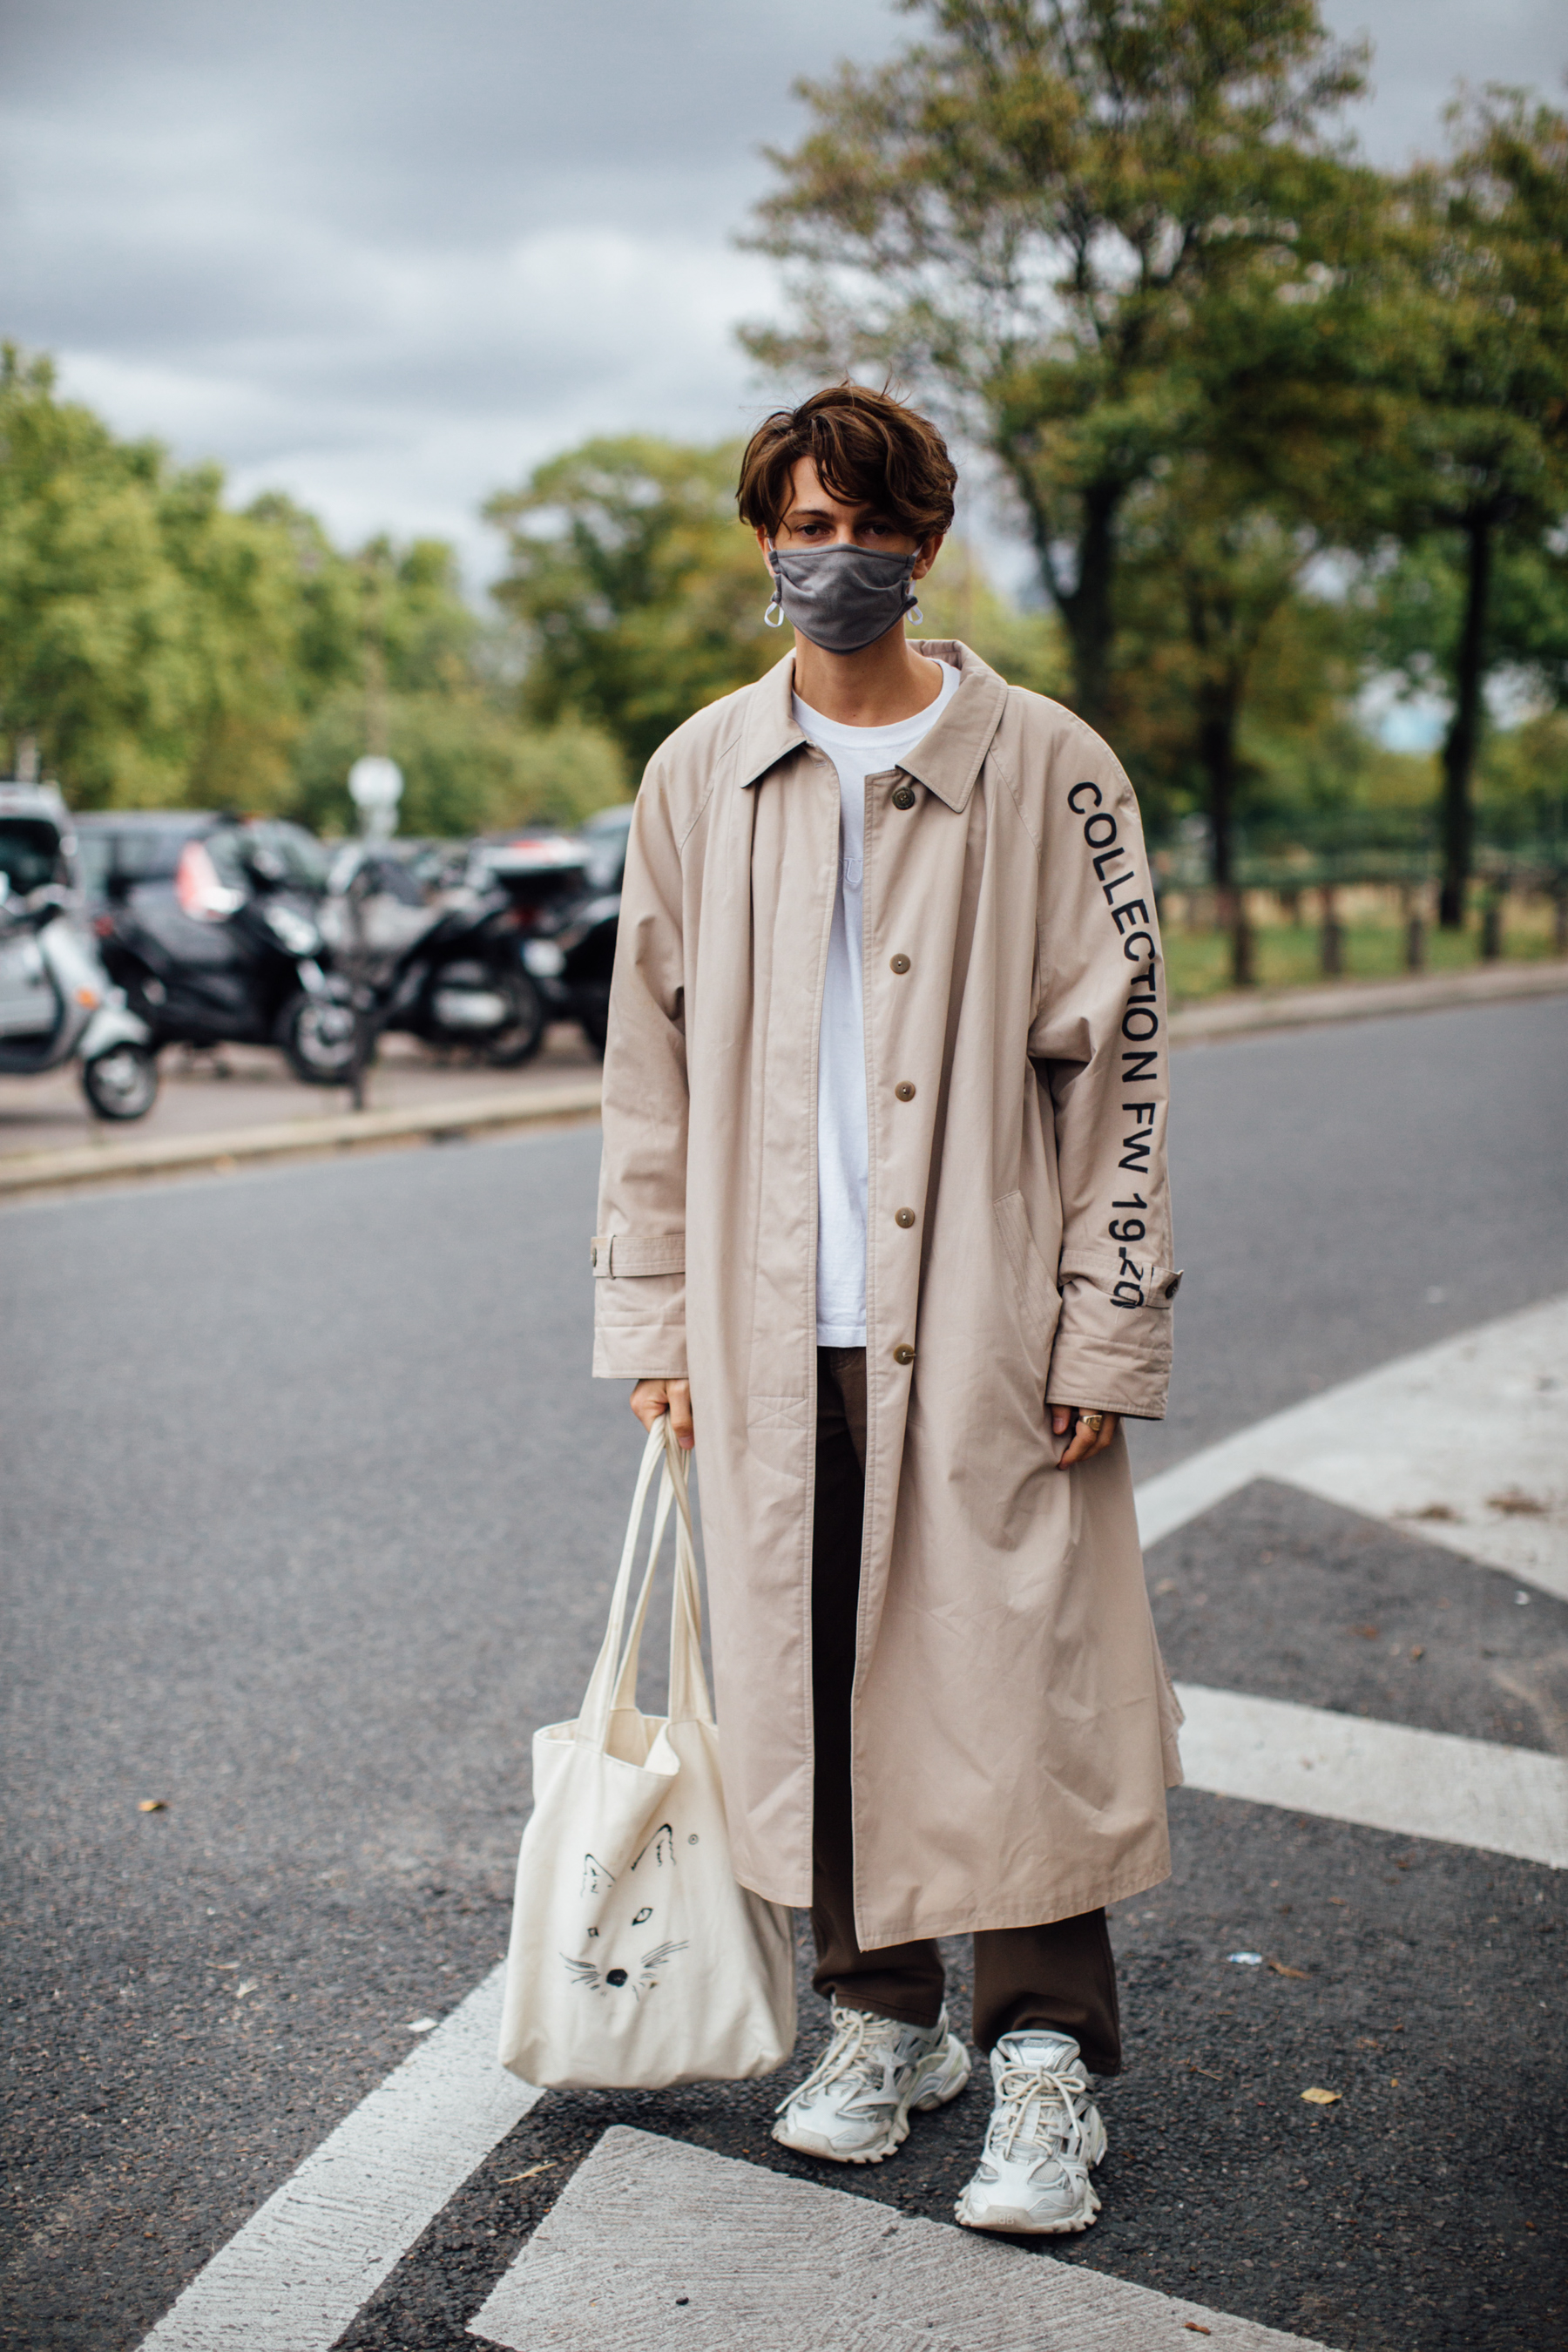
(773, 618)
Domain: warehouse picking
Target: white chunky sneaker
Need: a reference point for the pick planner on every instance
(1044, 2138)
(854, 2106)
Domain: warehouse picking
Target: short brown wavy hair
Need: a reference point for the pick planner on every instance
(868, 449)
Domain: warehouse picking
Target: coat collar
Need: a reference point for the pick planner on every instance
(946, 761)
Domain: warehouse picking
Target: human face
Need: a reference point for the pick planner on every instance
(815, 517)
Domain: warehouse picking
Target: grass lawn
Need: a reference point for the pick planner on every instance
(1289, 955)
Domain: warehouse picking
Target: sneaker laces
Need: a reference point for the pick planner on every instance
(847, 2054)
(1058, 2129)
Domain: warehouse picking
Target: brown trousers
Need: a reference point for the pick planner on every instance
(1060, 1976)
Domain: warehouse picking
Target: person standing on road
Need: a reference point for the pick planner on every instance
(883, 1216)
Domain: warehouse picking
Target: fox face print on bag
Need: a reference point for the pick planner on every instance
(635, 1959)
(644, 1956)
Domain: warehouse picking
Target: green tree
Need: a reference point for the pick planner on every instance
(641, 594)
(1287, 417)
(1204, 577)
(958, 600)
(1034, 212)
(1485, 441)
(468, 766)
(96, 673)
(154, 645)
(245, 628)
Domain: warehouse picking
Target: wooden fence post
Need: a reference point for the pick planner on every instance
(1333, 935)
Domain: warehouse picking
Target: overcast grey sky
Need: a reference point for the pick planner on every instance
(388, 256)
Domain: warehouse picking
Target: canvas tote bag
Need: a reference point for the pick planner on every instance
(636, 1961)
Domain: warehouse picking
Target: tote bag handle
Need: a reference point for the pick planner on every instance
(594, 1718)
(688, 1681)
(613, 1684)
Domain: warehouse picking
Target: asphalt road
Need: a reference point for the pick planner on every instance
(307, 1503)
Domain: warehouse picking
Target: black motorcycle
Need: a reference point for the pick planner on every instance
(233, 953)
(570, 953)
(454, 979)
(566, 894)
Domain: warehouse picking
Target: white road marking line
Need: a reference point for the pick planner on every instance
(647, 2233)
(1444, 1430)
(1384, 1776)
(301, 2267)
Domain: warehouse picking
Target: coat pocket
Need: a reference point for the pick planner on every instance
(1039, 1300)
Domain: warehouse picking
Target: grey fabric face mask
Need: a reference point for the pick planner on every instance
(842, 598)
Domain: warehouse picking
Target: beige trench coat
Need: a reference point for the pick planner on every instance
(1014, 1728)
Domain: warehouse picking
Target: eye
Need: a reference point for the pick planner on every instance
(646, 1913)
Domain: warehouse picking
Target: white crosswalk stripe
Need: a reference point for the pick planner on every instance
(294, 2276)
(1465, 1445)
(1386, 1775)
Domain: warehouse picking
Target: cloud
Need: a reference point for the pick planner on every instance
(388, 256)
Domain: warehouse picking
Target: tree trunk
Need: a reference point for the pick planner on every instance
(1217, 709)
(1089, 611)
(1216, 755)
(1463, 739)
(1086, 609)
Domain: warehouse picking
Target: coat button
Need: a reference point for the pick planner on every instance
(903, 1355)
(592, 1252)
(903, 796)
(904, 1091)
(1173, 1285)
(904, 1217)
(898, 964)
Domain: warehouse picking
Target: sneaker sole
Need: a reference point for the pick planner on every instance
(1015, 2223)
(951, 2078)
(1009, 2221)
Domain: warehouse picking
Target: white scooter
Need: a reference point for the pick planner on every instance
(57, 1002)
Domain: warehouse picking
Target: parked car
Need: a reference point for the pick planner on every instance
(120, 850)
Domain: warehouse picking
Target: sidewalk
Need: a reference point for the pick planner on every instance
(241, 1104)
(1249, 1010)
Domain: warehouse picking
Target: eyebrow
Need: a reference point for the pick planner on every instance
(866, 513)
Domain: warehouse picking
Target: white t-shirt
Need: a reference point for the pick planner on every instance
(842, 1150)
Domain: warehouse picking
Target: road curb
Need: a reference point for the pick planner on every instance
(300, 1137)
(1302, 1008)
(1231, 1016)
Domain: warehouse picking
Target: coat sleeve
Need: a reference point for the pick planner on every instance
(1101, 1043)
(638, 1253)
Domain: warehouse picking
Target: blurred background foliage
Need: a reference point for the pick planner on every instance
(1281, 440)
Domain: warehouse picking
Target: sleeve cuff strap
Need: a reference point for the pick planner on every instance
(614, 1255)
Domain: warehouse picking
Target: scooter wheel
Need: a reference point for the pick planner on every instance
(317, 1035)
(122, 1082)
(524, 1033)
